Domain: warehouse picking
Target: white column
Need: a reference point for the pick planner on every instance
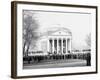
(62, 45)
(57, 45)
(70, 44)
(52, 45)
(48, 45)
(66, 47)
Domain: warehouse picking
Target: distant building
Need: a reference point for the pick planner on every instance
(58, 41)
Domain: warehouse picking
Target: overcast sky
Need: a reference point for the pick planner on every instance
(78, 24)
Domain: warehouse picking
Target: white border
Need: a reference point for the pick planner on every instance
(23, 72)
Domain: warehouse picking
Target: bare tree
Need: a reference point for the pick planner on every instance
(29, 31)
(88, 39)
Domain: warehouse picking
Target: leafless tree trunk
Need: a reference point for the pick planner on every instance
(24, 48)
(28, 49)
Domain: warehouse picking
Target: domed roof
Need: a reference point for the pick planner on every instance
(55, 29)
(59, 29)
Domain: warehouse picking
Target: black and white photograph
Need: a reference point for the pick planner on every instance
(53, 39)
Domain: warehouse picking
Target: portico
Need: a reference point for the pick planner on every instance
(59, 45)
(59, 42)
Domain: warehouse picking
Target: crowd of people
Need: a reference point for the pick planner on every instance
(43, 58)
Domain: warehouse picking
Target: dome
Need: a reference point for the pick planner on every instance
(58, 29)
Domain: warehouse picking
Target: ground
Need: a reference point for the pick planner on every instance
(56, 64)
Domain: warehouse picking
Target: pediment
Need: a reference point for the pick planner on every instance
(61, 32)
